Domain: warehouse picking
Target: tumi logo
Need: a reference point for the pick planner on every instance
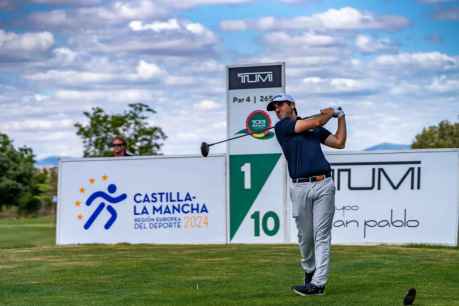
(255, 77)
(250, 77)
(393, 175)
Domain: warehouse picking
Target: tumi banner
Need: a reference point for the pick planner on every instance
(142, 200)
(252, 77)
(395, 197)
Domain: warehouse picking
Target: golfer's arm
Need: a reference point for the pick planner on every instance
(302, 125)
(338, 140)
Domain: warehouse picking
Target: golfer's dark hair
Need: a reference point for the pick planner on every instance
(294, 109)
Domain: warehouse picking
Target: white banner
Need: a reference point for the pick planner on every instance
(142, 200)
(395, 197)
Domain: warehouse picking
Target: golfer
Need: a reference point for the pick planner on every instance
(312, 191)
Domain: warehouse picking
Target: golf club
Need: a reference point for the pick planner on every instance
(206, 146)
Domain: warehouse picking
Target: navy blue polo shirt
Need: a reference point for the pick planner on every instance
(303, 151)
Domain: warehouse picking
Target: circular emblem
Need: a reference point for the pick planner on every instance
(258, 122)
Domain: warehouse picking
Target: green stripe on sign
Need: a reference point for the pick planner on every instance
(248, 175)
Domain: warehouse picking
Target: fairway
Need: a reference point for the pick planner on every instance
(33, 271)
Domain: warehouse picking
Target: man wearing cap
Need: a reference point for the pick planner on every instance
(312, 190)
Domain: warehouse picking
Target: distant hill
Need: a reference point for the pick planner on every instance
(49, 162)
(389, 146)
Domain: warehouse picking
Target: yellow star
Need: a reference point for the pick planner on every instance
(77, 203)
(80, 216)
(82, 190)
(104, 177)
(92, 181)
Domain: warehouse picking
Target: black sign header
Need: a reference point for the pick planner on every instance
(255, 77)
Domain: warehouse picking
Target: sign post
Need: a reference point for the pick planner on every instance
(256, 169)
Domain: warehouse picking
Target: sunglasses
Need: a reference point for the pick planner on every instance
(117, 144)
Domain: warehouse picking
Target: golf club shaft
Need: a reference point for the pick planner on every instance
(243, 135)
(236, 137)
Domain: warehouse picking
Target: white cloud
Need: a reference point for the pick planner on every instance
(97, 16)
(40, 98)
(346, 18)
(350, 18)
(28, 42)
(233, 25)
(172, 37)
(206, 105)
(197, 28)
(65, 55)
(192, 3)
(403, 88)
(101, 96)
(266, 23)
(147, 71)
(171, 24)
(71, 77)
(35, 125)
(133, 9)
(116, 12)
(306, 61)
(282, 40)
(179, 80)
(426, 60)
(443, 84)
(369, 45)
(332, 86)
(54, 18)
(143, 71)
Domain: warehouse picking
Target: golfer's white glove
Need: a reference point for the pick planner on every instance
(338, 112)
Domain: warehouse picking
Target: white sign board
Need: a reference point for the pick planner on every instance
(395, 197)
(256, 169)
(142, 200)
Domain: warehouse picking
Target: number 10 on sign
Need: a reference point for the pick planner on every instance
(254, 216)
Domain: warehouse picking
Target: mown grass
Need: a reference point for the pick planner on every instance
(33, 271)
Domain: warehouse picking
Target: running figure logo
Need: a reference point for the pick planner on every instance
(103, 196)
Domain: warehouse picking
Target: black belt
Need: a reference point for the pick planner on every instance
(314, 178)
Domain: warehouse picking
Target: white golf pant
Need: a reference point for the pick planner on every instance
(313, 208)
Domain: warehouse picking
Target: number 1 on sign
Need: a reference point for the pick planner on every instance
(246, 168)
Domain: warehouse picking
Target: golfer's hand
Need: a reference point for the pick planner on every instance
(338, 112)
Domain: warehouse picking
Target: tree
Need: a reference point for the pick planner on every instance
(46, 180)
(141, 138)
(445, 135)
(17, 176)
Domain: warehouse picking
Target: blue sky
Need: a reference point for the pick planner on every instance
(392, 65)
